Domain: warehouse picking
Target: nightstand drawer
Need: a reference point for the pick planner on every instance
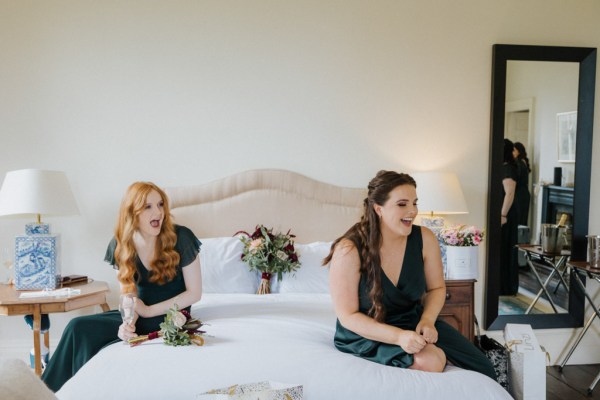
(458, 294)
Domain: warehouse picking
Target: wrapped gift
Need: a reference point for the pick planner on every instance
(461, 262)
(266, 390)
(526, 363)
(37, 262)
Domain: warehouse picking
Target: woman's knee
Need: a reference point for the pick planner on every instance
(430, 359)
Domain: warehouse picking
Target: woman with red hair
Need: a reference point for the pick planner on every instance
(156, 261)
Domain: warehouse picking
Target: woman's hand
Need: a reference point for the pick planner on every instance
(503, 220)
(126, 331)
(411, 342)
(426, 328)
(141, 308)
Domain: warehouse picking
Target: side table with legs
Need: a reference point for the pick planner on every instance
(584, 267)
(556, 261)
(91, 294)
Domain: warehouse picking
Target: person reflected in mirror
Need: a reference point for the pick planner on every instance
(509, 217)
(522, 195)
(387, 286)
(157, 262)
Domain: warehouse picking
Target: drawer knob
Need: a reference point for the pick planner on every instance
(448, 295)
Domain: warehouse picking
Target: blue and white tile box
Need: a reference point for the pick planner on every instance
(37, 264)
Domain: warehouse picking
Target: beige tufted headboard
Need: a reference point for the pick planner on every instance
(313, 210)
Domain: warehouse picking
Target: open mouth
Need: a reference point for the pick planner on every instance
(407, 221)
(155, 223)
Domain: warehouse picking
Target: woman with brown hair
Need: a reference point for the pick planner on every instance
(157, 263)
(387, 286)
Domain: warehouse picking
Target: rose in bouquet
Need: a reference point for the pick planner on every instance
(178, 329)
(461, 235)
(270, 253)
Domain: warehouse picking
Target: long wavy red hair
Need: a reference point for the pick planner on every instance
(163, 267)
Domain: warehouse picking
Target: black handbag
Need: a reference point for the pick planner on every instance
(496, 353)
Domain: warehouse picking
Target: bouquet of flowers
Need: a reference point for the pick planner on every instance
(461, 235)
(178, 329)
(270, 254)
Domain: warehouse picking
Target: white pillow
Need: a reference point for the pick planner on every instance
(311, 277)
(223, 270)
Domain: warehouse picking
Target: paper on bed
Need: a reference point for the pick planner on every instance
(266, 390)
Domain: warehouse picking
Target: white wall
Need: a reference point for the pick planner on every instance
(185, 92)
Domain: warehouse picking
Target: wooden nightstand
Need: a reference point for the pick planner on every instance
(92, 294)
(459, 308)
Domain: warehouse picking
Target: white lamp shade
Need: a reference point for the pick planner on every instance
(439, 193)
(34, 191)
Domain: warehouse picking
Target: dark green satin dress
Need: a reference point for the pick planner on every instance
(87, 335)
(403, 310)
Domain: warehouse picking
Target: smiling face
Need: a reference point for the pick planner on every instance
(151, 217)
(398, 212)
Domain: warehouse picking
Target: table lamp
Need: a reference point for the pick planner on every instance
(439, 194)
(37, 192)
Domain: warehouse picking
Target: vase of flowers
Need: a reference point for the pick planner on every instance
(269, 253)
(462, 251)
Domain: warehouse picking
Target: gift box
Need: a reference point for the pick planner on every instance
(526, 363)
(37, 262)
(462, 262)
(266, 390)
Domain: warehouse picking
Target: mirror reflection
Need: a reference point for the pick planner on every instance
(543, 98)
(537, 186)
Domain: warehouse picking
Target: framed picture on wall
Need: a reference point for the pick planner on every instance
(566, 127)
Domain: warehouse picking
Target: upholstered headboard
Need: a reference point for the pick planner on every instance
(313, 210)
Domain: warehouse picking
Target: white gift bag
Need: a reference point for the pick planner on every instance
(266, 390)
(526, 363)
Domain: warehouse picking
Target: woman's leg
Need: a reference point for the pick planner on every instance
(430, 359)
(81, 340)
(461, 352)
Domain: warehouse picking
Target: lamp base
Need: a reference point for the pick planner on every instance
(37, 262)
(436, 224)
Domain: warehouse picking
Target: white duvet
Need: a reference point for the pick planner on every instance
(278, 337)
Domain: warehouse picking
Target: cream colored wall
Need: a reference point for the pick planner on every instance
(185, 92)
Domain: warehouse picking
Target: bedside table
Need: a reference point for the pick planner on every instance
(92, 294)
(459, 308)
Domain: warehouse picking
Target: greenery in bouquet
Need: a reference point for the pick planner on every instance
(269, 253)
(178, 329)
(461, 235)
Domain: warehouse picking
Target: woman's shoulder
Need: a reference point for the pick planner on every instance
(183, 230)
(345, 248)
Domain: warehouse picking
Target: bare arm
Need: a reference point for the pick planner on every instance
(435, 297)
(509, 196)
(192, 277)
(344, 280)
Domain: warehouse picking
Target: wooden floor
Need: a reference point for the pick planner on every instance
(572, 383)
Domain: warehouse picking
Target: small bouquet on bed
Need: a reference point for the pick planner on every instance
(270, 253)
(178, 329)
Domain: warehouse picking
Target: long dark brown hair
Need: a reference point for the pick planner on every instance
(523, 154)
(366, 235)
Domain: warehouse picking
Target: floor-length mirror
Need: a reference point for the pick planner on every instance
(542, 106)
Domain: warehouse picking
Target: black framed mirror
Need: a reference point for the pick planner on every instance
(584, 90)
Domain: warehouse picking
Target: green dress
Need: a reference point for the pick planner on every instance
(403, 309)
(85, 336)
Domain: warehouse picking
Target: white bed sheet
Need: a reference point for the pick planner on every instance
(279, 337)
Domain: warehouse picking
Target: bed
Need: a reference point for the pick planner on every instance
(285, 336)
